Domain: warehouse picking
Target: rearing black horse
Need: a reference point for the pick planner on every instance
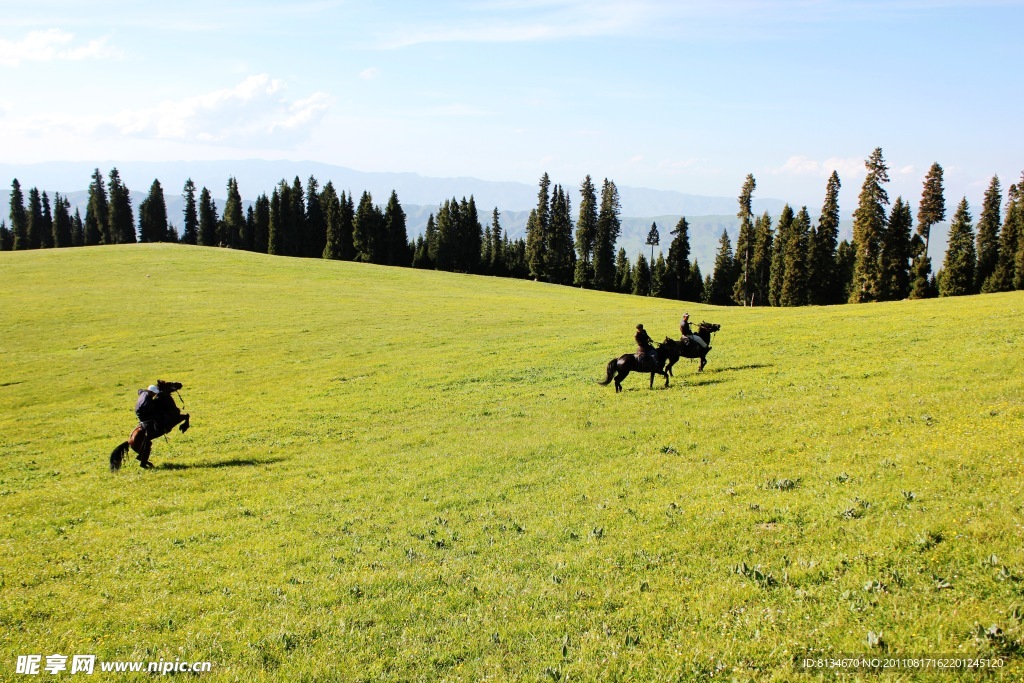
(674, 350)
(619, 367)
(167, 415)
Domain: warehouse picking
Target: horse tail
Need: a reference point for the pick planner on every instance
(611, 372)
(117, 456)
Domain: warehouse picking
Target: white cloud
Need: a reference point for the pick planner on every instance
(256, 111)
(802, 165)
(53, 45)
(369, 74)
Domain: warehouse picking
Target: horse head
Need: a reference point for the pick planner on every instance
(709, 327)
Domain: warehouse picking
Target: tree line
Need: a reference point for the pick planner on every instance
(789, 261)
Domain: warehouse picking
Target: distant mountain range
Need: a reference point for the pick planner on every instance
(420, 196)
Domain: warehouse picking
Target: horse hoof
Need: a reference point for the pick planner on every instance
(146, 465)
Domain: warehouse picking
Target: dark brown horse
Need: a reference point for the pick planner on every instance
(619, 367)
(141, 438)
(673, 350)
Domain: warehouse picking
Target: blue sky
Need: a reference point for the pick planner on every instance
(684, 95)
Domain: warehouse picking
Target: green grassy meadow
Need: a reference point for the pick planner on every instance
(398, 475)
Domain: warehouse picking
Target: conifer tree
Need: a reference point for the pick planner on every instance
(421, 257)
(499, 247)
(708, 291)
(6, 238)
(608, 228)
(653, 239)
(1009, 239)
(121, 217)
(232, 224)
(761, 260)
(367, 229)
(19, 218)
(296, 217)
(190, 232)
(348, 217)
(430, 237)
(561, 256)
(469, 236)
(153, 216)
(250, 226)
(77, 229)
(207, 233)
(822, 283)
(931, 211)
(35, 219)
(276, 226)
(958, 270)
(623, 273)
(315, 221)
(794, 256)
(894, 266)
(398, 235)
(989, 223)
(485, 251)
(745, 242)
(659, 284)
(46, 234)
(869, 222)
(697, 283)
(846, 257)
(777, 269)
(586, 232)
(96, 211)
(677, 266)
(331, 205)
(641, 277)
(261, 224)
(534, 245)
(62, 225)
(723, 277)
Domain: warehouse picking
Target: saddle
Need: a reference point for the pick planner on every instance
(648, 362)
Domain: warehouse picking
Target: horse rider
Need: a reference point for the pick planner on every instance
(688, 334)
(157, 411)
(645, 345)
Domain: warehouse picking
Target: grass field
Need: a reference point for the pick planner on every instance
(395, 475)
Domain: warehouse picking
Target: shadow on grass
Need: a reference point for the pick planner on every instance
(734, 368)
(237, 462)
(704, 381)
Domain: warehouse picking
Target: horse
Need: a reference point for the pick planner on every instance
(619, 367)
(673, 349)
(141, 438)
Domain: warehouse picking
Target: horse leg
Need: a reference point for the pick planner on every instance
(703, 362)
(651, 385)
(619, 376)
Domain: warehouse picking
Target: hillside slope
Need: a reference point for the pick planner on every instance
(396, 475)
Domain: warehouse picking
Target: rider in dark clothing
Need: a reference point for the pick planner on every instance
(157, 410)
(644, 345)
(684, 327)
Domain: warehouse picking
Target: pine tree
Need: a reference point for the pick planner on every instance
(77, 230)
(1009, 242)
(641, 277)
(697, 283)
(777, 271)
(331, 205)
(623, 273)
(46, 234)
(745, 242)
(561, 257)
(608, 228)
(190, 234)
(296, 217)
(207, 232)
(869, 221)
(499, 262)
(653, 239)
(470, 236)
(959, 268)
(232, 224)
(445, 255)
(723, 276)
(261, 224)
(485, 251)
(6, 238)
(534, 245)
(35, 219)
(586, 232)
(708, 291)
(398, 235)
(366, 230)
(62, 224)
(153, 216)
(315, 221)
(430, 237)
(276, 225)
(677, 267)
(659, 285)
(96, 211)
(822, 282)
(761, 260)
(989, 223)
(794, 256)
(121, 217)
(846, 258)
(931, 211)
(894, 265)
(19, 218)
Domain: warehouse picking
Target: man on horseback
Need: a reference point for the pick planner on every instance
(645, 352)
(157, 413)
(688, 336)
